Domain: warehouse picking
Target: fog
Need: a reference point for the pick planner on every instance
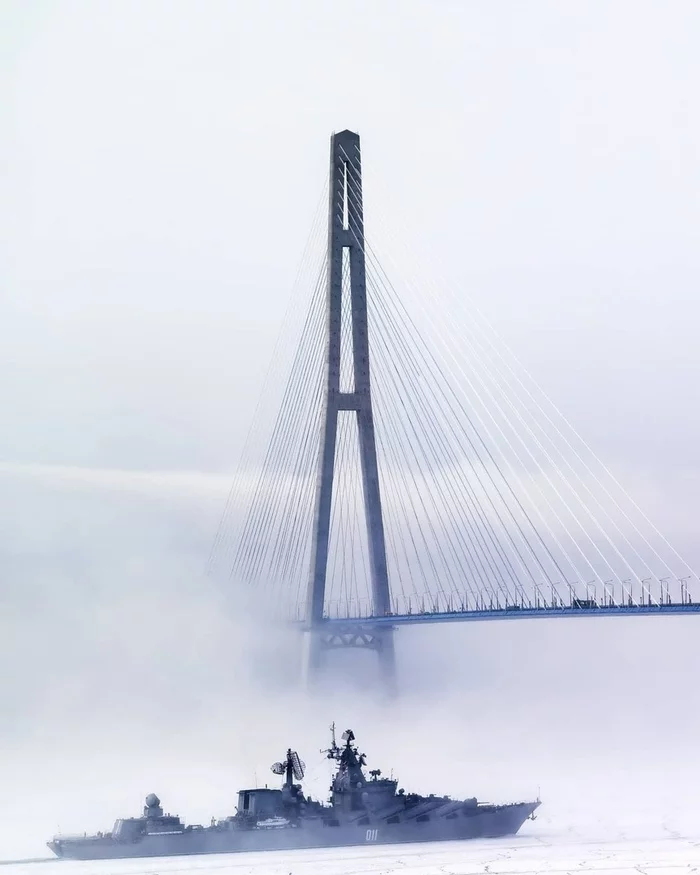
(129, 672)
(160, 164)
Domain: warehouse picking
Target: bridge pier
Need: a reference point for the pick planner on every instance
(323, 639)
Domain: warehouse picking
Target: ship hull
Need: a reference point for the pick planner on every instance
(482, 822)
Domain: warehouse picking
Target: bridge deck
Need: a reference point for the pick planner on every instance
(515, 613)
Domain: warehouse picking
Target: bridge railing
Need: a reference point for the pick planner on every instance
(647, 599)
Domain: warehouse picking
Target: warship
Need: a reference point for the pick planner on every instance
(362, 809)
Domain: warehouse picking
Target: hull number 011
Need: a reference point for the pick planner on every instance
(371, 835)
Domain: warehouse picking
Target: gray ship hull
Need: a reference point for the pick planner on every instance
(482, 821)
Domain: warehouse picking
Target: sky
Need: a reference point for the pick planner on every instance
(161, 164)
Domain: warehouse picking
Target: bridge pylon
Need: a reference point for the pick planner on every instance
(346, 255)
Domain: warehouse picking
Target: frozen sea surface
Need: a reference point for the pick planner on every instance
(632, 846)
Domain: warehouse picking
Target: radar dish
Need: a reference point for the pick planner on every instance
(298, 765)
(152, 801)
(277, 768)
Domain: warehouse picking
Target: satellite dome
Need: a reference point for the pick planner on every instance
(152, 801)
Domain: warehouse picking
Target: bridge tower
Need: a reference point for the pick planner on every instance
(346, 254)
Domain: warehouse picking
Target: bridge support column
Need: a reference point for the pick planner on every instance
(346, 234)
(323, 640)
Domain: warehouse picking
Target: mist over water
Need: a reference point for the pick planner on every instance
(130, 672)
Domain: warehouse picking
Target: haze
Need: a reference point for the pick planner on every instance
(160, 165)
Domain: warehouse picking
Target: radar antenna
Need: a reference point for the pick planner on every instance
(297, 764)
(292, 767)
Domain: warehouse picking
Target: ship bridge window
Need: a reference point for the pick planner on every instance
(394, 819)
(422, 818)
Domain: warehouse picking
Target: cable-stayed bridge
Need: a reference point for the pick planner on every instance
(403, 468)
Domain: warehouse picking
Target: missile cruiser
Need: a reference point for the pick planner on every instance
(362, 809)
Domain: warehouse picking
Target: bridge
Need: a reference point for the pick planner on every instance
(403, 468)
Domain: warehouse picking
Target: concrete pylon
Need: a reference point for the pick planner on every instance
(346, 232)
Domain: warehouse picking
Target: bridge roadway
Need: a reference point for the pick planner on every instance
(580, 610)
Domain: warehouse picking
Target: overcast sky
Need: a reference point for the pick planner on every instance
(160, 166)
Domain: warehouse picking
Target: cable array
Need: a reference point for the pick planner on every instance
(490, 498)
(263, 536)
(504, 502)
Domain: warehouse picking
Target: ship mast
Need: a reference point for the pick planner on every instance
(333, 752)
(289, 769)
